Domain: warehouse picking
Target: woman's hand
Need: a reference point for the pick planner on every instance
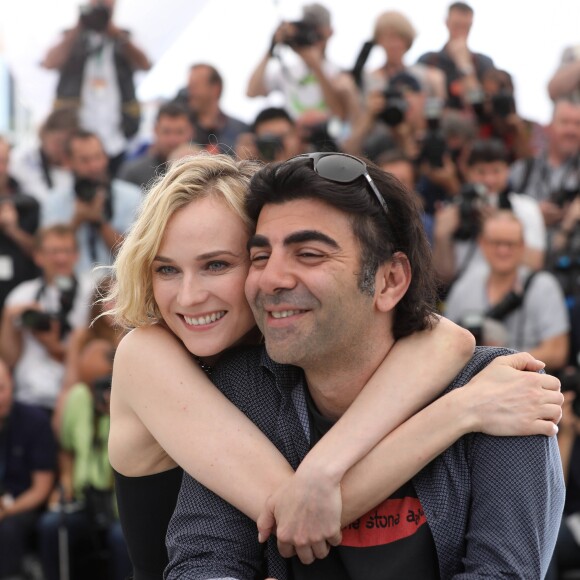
(305, 516)
(509, 397)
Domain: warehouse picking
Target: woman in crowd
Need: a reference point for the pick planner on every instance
(180, 283)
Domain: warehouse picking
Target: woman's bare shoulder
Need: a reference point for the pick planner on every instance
(148, 338)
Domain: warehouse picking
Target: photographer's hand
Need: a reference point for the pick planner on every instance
(90, 211)
(552, 212)
(445, 177)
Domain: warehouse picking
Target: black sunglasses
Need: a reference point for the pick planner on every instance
(342, 168)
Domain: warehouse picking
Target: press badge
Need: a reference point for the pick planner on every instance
(6, 268)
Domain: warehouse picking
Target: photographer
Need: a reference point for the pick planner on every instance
(497, 117)
(96, 61)
(39, 314)
(457, 225)
(19, 218)
(98, 208)
(274, 137)
(311, 82)
(529, 304)
(85, 505)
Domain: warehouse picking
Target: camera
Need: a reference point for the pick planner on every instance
(320, 137)
(102, 393)
(503, 104)
(570, 381)
(395, 108)
(36, 320)
(565, 195)
(470, 200)
(306, 34)
(86, 189)
(95, 18)
(269, 146)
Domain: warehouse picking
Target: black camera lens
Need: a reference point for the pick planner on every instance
(86, 189)
(395, 108)
(36, 320)
(95, 18)
(269, 146)
(306, 34)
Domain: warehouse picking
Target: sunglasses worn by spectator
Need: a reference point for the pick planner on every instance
(342, 168)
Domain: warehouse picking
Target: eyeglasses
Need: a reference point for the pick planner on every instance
(342, 168)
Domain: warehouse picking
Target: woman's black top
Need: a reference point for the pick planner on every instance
(145, 506)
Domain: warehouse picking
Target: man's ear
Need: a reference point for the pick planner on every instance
(392, 282)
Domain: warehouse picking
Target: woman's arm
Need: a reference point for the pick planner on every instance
(160, 397)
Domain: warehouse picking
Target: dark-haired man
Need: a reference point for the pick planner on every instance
(332, 291)
(274, 137)
(98, 208)
(213, 129)
(172, 129)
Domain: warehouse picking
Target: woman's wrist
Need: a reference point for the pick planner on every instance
(462, 411)
(329, 472)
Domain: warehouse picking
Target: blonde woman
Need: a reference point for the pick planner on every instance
(180, 278)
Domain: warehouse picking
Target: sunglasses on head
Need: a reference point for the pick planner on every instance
(342, 168)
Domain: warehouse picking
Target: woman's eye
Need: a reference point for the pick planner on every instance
(165, 270)
(217, 266)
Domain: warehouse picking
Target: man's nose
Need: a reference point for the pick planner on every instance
(277, 275)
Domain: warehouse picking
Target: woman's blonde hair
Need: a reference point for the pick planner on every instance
(395, 22)
(187, 180)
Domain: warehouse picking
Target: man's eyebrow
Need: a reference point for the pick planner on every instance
(310, 236)
(258, 241)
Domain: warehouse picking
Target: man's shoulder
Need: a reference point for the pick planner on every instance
(24, 292)
(248, 374)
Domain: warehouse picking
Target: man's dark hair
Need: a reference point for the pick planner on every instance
(215, 78)
(270, 114)
(487, 151)
(79, 135)
(63, 119)
(173, 110)
(380, 235)
(460, 7)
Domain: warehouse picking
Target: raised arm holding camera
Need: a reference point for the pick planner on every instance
(312, 82)
(96, 61)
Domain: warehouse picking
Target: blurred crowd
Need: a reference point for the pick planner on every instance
(499, 195)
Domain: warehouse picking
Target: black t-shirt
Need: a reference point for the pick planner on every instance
(395, 536)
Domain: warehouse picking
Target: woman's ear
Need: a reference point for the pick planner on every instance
(392, 282)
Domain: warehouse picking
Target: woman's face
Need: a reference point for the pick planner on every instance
(393, 44)
(199, 274)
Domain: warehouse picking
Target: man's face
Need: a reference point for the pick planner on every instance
(57, 255)
(4, 159)
(200, 91)
(493, 175)
(88, 160)
(6, 391)
(303, 284)
(170, 133)
(459, 24)
(502, 244)
(565, 129)
(285, 132)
